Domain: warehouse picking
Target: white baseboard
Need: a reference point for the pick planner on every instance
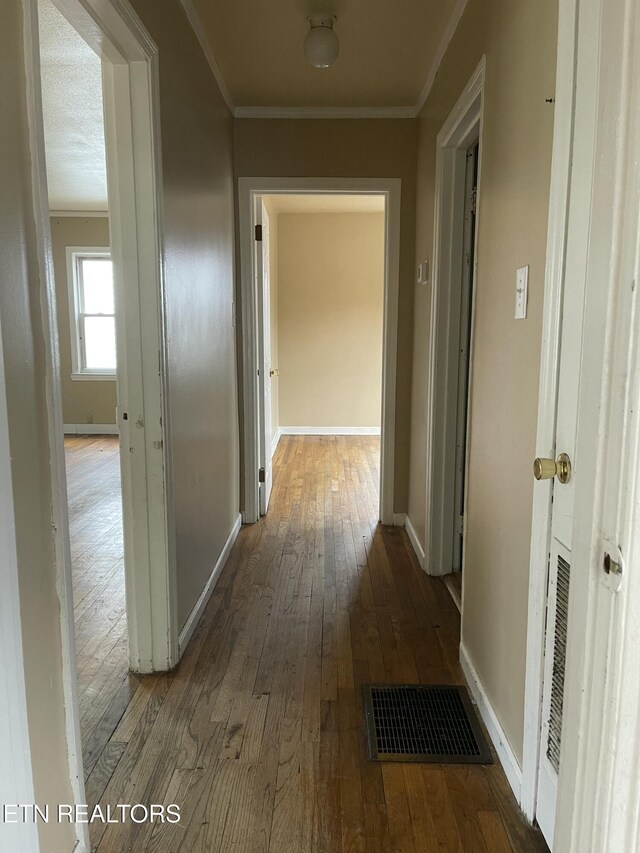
(329, 430)
(506, 755)
(399, 519)
(205, 595)
(415, 542)
(91, 429)
(275, 441)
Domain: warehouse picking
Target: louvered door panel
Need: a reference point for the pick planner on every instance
(559, 658)
(552, 697)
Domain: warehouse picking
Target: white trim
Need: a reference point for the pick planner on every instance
(445, 41)
(132, 136)
(248, 188)
(79, 214)
(275, 441)
(325, 112)
(463, 125)
(16, 776)
(198, 608)
(399, 519)
(500, 742)
(131, 90)
(55, 435)
(547, 397)
(415, 542)
(329, 430)
(91, 429)
(198, 29)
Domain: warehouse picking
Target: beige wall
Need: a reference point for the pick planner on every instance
(335, 148)
(330, 311)
(197, 152)
(83, 402)
(25, 375)
(519, 42)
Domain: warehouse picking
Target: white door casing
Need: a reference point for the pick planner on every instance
(16, 777)
(131, 96)
(462, 128)
(262, 249)
(132, 141)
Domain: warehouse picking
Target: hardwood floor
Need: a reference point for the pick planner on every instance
(105, 685)
(258, 734)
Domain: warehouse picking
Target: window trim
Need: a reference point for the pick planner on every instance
(74, 254)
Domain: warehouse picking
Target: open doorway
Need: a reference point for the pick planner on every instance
(327, 366)
(320, 259)
(74, 137)
(97, 195)
(458, 163)
(454, 580)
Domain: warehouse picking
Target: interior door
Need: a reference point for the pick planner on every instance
(564, 468)
(264, 354)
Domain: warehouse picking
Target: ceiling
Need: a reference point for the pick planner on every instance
(325, 203)
(73, 120)
(389, 51)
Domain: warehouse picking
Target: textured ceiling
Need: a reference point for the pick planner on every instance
(73, 120)
(388, 48)
(325, 203)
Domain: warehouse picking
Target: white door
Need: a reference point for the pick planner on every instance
(264, 353)
(561, 573)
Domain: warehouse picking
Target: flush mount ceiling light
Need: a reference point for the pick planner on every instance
(321, 46)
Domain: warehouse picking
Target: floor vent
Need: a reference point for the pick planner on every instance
(433, 724)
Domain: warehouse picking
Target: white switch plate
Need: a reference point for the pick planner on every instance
(522, 287)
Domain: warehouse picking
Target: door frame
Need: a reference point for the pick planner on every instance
(248, 189)
(16, 775)
(598, 807)
(132, 129)
(461, 128)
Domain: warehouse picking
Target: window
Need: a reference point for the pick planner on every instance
(92, 313)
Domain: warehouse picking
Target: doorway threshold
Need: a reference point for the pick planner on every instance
(453, 583)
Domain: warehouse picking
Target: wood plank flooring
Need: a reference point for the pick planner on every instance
(258, 734)
(105, 685)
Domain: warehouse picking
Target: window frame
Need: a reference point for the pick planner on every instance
(76, 254)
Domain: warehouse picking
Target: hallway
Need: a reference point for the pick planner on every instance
(258, 734)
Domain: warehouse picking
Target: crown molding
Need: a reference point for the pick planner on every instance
(445, 41)
(325, 112)
(196, 26)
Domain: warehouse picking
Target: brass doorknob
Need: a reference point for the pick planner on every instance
(546, 469)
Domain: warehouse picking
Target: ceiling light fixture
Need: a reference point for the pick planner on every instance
(321, 46)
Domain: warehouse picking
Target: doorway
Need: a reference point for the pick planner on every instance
(134, 307)
(451, 334)
(454, 581)
(320, 269)
(257, 366)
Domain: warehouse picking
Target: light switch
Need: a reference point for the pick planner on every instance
(522, 287)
